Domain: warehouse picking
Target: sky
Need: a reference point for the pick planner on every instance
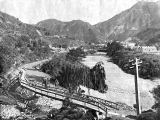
(92, 11)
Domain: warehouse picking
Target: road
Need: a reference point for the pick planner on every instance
(30, 70)
(121, 85)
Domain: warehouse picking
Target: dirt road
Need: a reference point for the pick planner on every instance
(30, 70)
(121, 85)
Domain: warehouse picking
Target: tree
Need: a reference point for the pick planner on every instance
(6, 58)
(98, 77)
(75, 54)
(156, 95)
(1, 65)
(19, 44)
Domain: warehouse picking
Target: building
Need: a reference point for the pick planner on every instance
(146, 49)
(128, 45)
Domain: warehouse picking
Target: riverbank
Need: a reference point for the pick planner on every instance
(121, 85)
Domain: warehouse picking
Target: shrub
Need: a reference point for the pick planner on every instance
(147, 116)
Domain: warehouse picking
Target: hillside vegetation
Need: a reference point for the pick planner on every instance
(149, 69)
(78, 29)
(19, 43)
(148, 37)
(22, 43)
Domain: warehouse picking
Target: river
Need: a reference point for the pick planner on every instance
(121, 85)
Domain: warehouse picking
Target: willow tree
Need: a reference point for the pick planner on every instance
(98, 77)
(72, 74)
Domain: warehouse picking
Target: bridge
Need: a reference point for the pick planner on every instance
(57, 93)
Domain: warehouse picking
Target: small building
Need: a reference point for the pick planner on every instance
(146, 49)
(128, 45)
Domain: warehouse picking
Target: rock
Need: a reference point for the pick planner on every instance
(70, 111)
(9, 111)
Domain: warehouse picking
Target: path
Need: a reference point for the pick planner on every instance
(30, 70)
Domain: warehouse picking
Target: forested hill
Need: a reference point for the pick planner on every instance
(125, 25)
(74, 29)
(20, 43)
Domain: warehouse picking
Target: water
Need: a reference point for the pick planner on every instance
(121, 85)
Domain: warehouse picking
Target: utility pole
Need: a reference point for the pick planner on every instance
(137, 93)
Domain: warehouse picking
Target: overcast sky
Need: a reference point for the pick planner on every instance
(92, 11)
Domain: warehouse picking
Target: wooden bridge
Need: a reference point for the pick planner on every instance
(82, 100)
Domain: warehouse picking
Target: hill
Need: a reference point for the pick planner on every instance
(141, 16)
(75, 29)
(148, 37)
(20, 43)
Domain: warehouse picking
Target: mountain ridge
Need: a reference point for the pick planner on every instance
(139, 17)
(75, 28)
(33, 11)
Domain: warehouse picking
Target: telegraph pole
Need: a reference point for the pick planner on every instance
(137, 93)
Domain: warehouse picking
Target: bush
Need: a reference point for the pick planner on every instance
(147, 116)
